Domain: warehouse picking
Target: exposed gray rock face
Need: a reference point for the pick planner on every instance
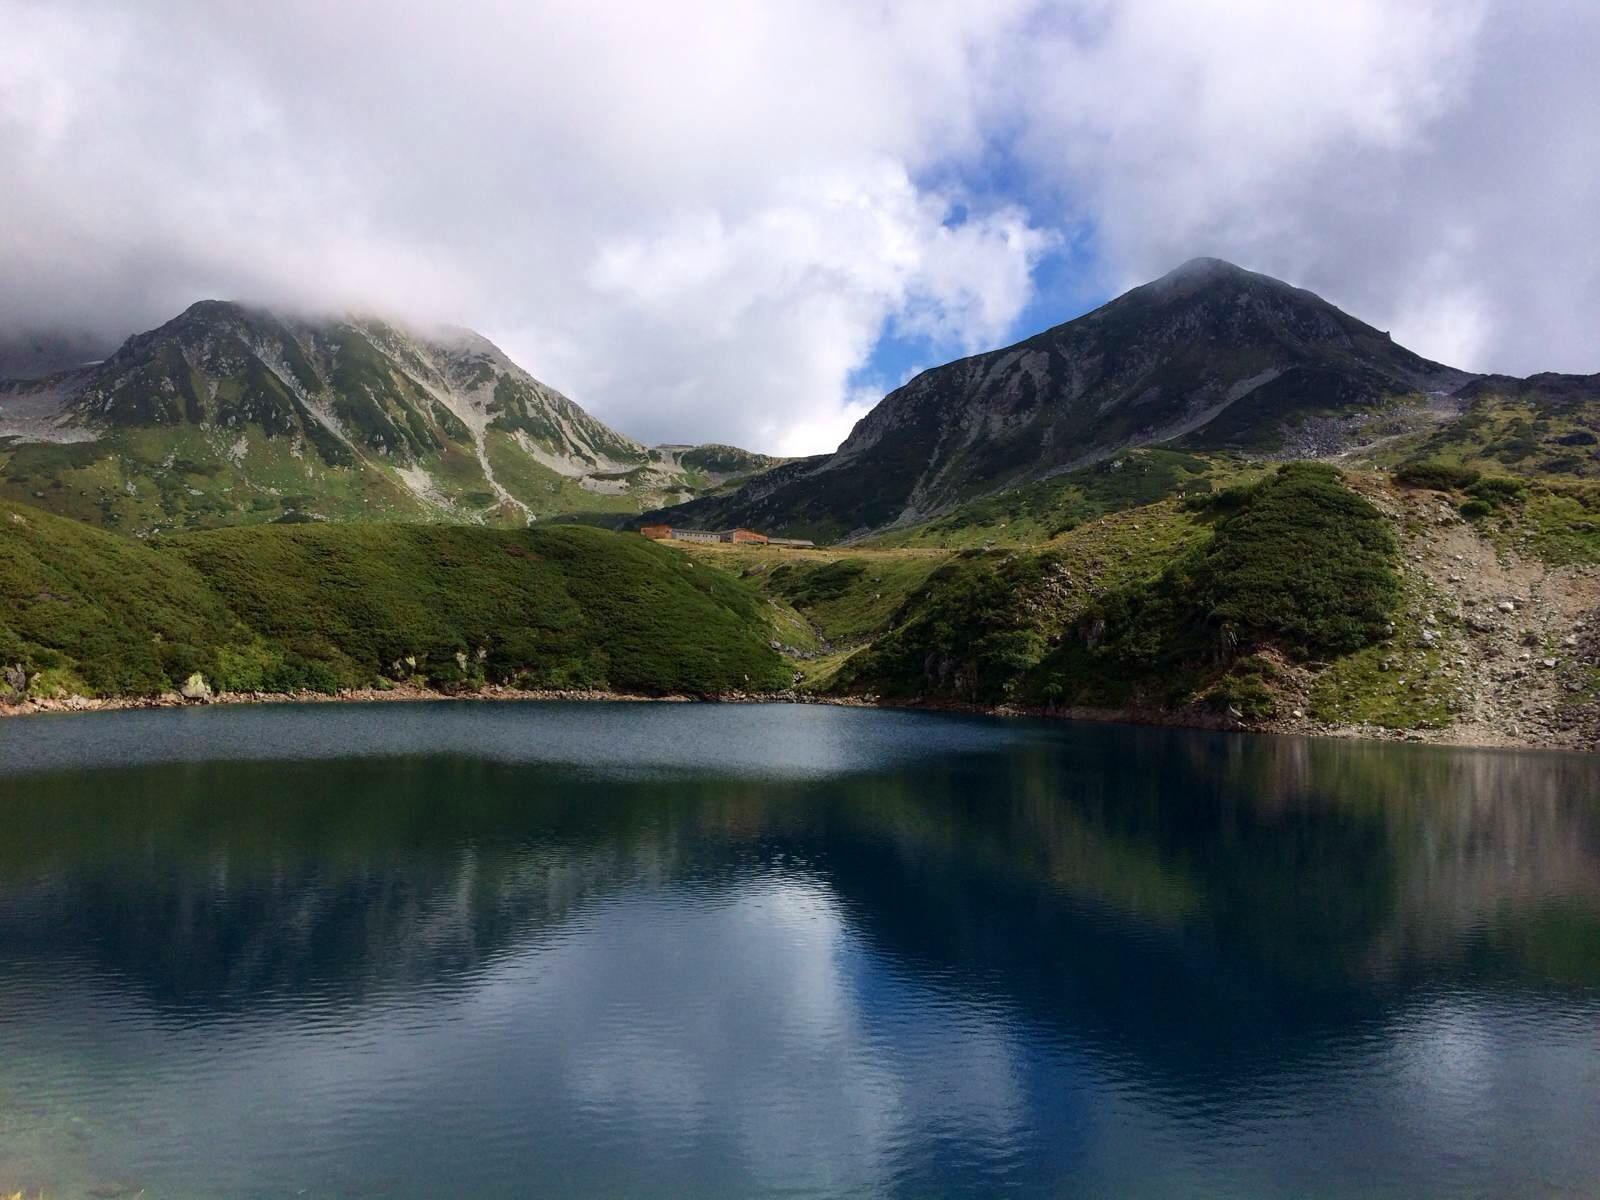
(196, 688)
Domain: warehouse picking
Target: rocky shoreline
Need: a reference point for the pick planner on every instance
(1472, 736)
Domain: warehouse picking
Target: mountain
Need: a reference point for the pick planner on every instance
(1210, 355)
(1546, 424)
(33, 354)
(228, 414)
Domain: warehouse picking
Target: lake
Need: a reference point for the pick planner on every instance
(621, 950)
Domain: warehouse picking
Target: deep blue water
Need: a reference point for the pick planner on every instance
(727, 951)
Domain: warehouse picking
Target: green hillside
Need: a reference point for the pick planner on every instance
(1037, 512)
(274, 608)
(1545, 426)
(1157, 606)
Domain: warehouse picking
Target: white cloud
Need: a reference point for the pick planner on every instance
(695, 218)
(771, 316)
(1433, 167)
(831, 428)
(699, 218)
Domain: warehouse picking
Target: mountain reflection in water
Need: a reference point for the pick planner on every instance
(620, 949)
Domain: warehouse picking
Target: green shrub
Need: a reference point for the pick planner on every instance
(1440, 476)
(289, 607)
(1224, 500)
(1303, 564)
(1258, 665)
(1245, 693)
(1306, 563)
(1474, 510)
(968, 632)
(831, 581)
(1497, 490)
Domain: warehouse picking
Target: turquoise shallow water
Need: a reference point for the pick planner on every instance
(689, 950)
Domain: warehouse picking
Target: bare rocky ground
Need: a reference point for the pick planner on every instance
(1518, 638)
(32, 411)
(398, 692)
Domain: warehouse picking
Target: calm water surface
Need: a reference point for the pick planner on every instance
(671, 950)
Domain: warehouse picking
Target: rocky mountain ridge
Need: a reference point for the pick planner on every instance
(1209, 357)
(429, 424)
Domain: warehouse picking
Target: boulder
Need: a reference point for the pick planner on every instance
(14, 679)
(196, 688)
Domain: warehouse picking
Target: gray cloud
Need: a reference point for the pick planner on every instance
(697, 218)
(1432, 167)
(694, 218)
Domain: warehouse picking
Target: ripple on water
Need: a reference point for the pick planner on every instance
(777, 951)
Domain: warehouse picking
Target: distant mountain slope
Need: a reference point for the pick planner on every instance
(1546, 424)
(35, 354)
(229, 413)
(1211, 354)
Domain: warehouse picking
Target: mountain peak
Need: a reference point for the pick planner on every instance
(207, 313)
(1201, 274)
(207, 308)
(1204, 267)
(1212, 353)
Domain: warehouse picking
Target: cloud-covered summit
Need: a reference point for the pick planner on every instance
(706, 221)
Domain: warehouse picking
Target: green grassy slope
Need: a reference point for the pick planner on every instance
(986, 617)
(139, 480)
(1037, 512)
(1162, 606)
(823, 604)
(1545, 425)
(145, 480)
(97, 614)
(322, 607)
(847, 598)
(1556, 519)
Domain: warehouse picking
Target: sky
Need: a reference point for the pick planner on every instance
(744, 222)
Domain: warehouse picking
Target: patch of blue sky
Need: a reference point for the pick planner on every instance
(1067, 280)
